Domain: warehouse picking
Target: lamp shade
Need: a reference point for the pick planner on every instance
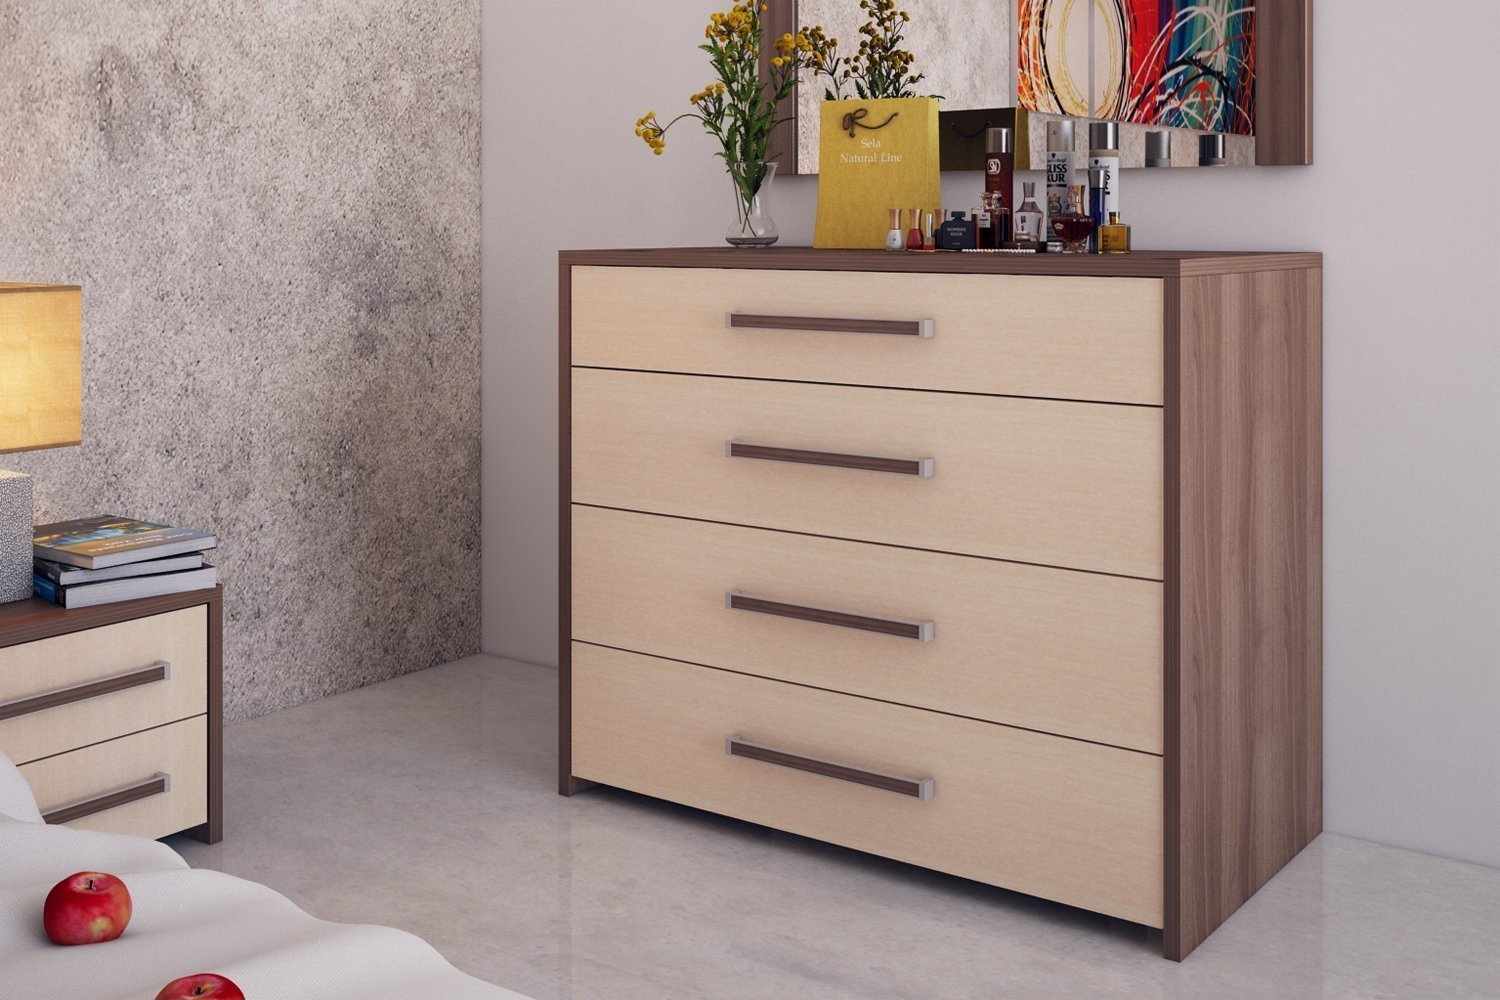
(41, 366)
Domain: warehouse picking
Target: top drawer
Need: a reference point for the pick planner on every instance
(84, 687)
(1082, 338)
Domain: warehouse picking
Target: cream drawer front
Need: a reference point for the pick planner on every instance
(174, 756)
(1078, 654)
(1063, 819)
(106, 682)
(1058, 337)
(1061, 484)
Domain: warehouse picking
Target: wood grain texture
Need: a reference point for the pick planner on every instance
(1038, 481)
(566, 783)
(1077, 654)
(1018, 335)
(179, 638)
(1284, 82)
(780, 18)
(25, 621)
(1244, 654)
(1139, 264)
(178, 750)
(1070, 821)
(212, 830)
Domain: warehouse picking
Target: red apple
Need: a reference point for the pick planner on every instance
(204, 984)
(86, 908)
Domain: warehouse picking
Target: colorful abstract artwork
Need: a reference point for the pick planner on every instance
(1174, 63)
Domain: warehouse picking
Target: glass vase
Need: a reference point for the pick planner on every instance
(753, 225)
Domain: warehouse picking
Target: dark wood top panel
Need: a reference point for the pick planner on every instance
(1142, 264)
(27, 621)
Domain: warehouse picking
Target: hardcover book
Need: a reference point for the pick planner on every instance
(110, 540)
(87, 595)
(65, 575)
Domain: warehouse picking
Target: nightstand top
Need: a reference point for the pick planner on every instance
(27, 621)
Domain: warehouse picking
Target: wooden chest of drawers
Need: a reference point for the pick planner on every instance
(113, 713)
(1009, 568)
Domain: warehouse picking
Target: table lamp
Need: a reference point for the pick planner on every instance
(41, 405)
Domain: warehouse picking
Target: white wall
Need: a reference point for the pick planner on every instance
(1412, 511)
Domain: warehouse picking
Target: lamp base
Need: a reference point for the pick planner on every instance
(16, 523)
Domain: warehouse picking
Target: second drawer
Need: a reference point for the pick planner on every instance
(106, 682)
(149, 784)
(1077, 654)
(1062, 484)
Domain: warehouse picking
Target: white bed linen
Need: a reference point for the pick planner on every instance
(194, 920)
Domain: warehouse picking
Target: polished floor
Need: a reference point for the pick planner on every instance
(428, 803)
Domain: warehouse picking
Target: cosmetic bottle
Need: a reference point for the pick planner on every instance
(1158, 149)
(914, 233)
(984, 223)
(1114, 235)
(896, 238)
(1000, 166)
(956, 234)
(929, 230)
(1098, 202)
(1028, 220)
(1104, 154)
(1211, 151)
(1073, 226)
(1059, 175)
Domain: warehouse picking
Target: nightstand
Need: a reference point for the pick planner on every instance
(115, 713)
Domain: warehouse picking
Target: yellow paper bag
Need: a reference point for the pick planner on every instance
(874, 156)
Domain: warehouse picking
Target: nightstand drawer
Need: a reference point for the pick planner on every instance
(95, 685)
(1019, 335)
(1079, 654)
(1078, 485)
(148, 784)
(1058, 818)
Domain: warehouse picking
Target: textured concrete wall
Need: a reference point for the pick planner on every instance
(273, 210)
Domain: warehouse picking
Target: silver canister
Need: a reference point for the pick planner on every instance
(1211, 151)
(1158, 149)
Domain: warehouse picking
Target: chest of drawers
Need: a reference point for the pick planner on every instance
(1006, 567)
(113, 713)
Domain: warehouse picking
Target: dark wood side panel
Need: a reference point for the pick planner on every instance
(566, 783)
(1244, 648)
(1284, 82)
(212, 831)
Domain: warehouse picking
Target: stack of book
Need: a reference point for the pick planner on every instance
(101, 560)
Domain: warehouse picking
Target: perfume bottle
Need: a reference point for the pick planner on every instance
(1000, 166)
(1074, 226)
(914, 234)
(896, 238)
(984, 223)
(1104, 154)
(1028, 220)
(956, 234)
(1114, 235)
(929, 230)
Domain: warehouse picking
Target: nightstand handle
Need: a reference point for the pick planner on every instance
(918, 788)
(922, 468)
(901, 629)
(922, 328)
(157, 784)
(159, 671)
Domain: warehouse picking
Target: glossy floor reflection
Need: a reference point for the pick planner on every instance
(428, 803)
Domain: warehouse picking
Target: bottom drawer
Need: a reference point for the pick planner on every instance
(1071, 821)
(149, 784)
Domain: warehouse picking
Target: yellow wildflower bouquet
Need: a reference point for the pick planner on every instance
(880, 69)
(740, 108)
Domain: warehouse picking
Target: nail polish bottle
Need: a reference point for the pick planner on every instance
(896, 238)
(914, 234)
(929, 230)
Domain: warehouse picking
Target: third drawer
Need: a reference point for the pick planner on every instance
(1078, 654)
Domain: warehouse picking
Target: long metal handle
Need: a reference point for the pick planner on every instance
(920, 631)
(158, 784)
(922, 328)
(917, 788)
(922, 468)
(159, 671)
